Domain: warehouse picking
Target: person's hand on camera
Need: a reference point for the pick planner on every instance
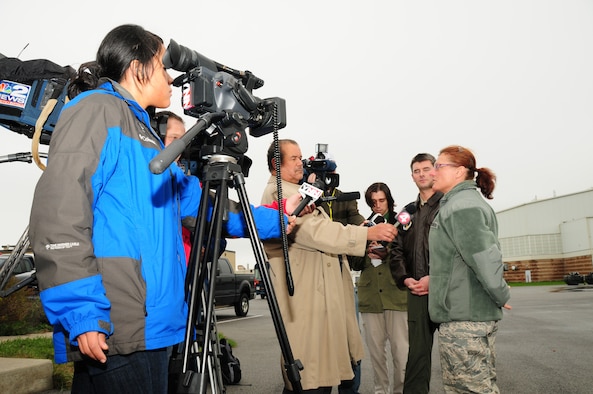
(382, 232)
(93, 345)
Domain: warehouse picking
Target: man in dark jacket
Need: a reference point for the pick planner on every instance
(409, 267)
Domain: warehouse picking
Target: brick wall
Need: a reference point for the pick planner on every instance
(547, 269)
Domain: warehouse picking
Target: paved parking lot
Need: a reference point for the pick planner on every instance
(544, 345)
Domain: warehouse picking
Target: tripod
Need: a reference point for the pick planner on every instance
(199, 361)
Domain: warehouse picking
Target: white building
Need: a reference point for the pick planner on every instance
(547, 239)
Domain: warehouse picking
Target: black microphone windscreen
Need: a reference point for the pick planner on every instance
(411, 208)
(349, 196)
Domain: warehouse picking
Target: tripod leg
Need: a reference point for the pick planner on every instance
(214, 369)
(292, 366)
(202, 284)
(201, 287)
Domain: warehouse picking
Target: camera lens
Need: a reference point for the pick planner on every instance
(181, 58)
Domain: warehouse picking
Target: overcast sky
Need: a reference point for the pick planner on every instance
(379, 81)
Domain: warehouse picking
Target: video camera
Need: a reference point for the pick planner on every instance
(322, 166)
(210, 87)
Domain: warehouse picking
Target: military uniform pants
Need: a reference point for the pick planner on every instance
(467, 356)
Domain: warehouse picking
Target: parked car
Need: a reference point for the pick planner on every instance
(233, 288)
(24, 269)
(23, 272)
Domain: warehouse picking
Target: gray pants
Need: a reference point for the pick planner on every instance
(380, 329)
(468, 359)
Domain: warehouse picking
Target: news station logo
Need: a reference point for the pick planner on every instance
(14, 94)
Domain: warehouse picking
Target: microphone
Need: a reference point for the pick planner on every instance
(375, 219)
(349, 196)
(405, 216)
(310, 193)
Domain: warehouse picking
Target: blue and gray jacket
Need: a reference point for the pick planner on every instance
(106, 232)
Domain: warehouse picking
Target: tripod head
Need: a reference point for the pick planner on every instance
(226, 137)
(204, 140)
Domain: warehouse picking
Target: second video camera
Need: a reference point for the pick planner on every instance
(322, 166)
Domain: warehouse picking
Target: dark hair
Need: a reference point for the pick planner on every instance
(485, 179)
(169, 114)
(160, 120)
(271, 166)
(381, 187)
(86, 79)
(120, 47)
(420, 157)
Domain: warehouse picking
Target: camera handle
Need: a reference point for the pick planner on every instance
(168, 155)
(220, 173)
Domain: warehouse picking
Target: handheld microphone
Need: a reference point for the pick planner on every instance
(374, 219)
(310, 193)
(404, 218)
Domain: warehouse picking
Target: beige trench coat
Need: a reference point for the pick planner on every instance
(320, 317)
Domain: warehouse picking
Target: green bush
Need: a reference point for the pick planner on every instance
(21, 313)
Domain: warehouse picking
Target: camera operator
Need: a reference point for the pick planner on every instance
(171, 127)
(320, 319)
(343, 211)
(106, 231)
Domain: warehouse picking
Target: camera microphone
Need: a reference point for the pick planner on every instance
(346, 196)
(404, 218)
(310, 193)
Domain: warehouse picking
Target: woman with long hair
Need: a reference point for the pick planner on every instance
(106, 232)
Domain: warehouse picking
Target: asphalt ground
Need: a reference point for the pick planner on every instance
(544, 345)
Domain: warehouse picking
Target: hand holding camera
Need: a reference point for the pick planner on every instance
(377, 251)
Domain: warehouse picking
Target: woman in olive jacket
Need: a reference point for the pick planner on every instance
(467, 289)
